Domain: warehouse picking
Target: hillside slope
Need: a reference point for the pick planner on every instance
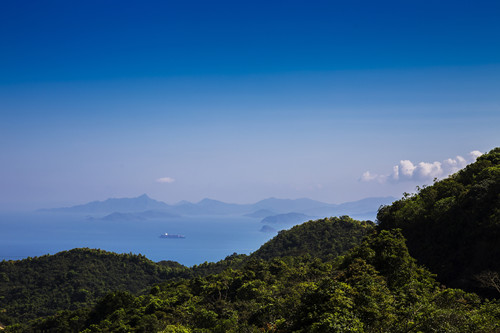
(376, 287)
(453, 226)
(73, 279)
(325, 239)
(41, 286)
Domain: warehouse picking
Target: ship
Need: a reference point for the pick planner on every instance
(167, 235)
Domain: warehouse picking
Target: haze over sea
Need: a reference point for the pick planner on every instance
(212, 229)
(208, 238)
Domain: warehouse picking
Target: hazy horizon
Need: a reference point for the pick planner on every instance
(239, 102)
(199, 201)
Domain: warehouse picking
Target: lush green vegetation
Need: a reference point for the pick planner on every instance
(69, 280)
(376, 287)
(41, 286)
(329, 275)
(453, 226)
(326, 239)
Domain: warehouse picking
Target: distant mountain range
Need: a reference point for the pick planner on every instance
(121, 205)
(144, 207)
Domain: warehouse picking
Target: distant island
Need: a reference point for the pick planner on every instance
(289, 218)
(143, 208)
(139, 216)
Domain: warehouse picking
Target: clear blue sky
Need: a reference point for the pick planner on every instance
(240, 100)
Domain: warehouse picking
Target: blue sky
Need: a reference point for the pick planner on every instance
(239, 101)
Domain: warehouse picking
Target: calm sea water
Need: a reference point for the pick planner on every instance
(207, 238)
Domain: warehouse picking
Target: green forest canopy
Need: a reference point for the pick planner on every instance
(334, 274)
(453, 226)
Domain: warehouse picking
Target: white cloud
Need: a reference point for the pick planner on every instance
(427, 171)
(452, 165)
(367, 176)
(475, 154)
(395, 173)
(422, 171)
(405, 169)
(167, 180)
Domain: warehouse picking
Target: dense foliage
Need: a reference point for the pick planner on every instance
(43, 285)
(69, 280)
(453, 226)
(376, 287)
(329, 275)
(325, 239)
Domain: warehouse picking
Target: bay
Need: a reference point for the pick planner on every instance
(207, 238)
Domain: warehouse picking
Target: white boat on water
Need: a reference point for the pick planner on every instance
(167, 235)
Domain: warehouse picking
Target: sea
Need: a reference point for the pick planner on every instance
(207, 238)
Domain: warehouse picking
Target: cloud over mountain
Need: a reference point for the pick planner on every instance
(406, 170)
(166, 180)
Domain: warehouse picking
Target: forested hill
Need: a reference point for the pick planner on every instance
(303, 280)
(325, 239)
(375, 287)
(43, 285)
(453, 226)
